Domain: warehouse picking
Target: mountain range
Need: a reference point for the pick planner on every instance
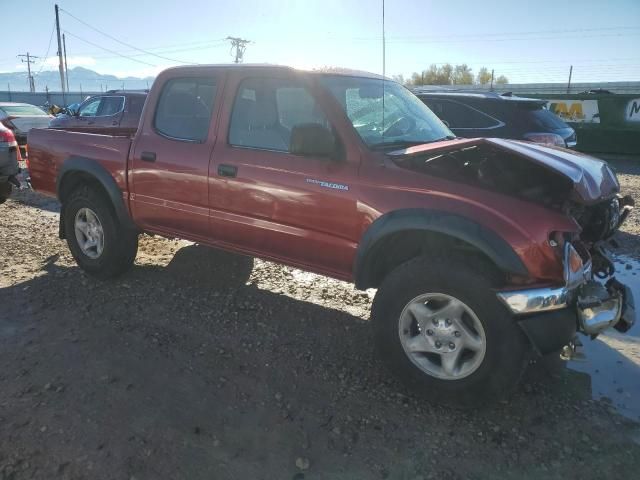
(80, 79)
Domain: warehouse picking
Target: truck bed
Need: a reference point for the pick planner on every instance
(49, 148)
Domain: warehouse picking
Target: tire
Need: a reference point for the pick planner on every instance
(5, 191)
(482, 352)
(119, 244)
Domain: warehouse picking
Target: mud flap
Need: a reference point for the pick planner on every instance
(550, 331)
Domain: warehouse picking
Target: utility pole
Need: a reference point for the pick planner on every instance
(491, 89)
(240, 44)
(66, 69)
(28, 61)
(569, 83)
(60, 63)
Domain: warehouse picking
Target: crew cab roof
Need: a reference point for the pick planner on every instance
(266, 66)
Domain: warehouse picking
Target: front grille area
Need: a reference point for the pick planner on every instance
(599, 221)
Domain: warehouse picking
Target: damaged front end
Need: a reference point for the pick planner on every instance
(582, 188)
(591, 298)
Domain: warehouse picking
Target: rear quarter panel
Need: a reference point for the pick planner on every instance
(49, 149)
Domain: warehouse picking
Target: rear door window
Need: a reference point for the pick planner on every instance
(135, 104)
(185, 107)
(110, 106)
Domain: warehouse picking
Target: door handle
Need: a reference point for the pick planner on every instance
(148, 156)
(227, 170)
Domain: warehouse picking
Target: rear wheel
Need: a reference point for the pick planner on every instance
(441, 329)
(99, 243)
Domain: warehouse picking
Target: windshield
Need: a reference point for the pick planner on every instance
(542, 118)
(21, 110)
(406, 119)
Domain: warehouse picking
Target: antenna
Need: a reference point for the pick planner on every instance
(383, 68)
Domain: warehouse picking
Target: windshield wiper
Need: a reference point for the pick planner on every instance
(398, 143)
(408, 143)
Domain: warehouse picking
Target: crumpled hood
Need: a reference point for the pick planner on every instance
(592, 178)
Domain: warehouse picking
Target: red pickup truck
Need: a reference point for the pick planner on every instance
(484, 252)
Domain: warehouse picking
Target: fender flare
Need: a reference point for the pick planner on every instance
(425, 220)
(103, 177)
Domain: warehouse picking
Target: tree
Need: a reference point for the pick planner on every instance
(399, 79)
(448, 75)
(462, 75)
(435, 75)
(484, 76)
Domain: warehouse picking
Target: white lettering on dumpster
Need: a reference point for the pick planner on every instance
(632, 113)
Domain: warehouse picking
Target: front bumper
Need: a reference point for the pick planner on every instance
(594, 306)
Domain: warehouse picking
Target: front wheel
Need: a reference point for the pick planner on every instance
(99, 243)
(441, 329)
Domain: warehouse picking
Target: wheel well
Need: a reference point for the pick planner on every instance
(73, 180)
(400, 247)
(68, 184)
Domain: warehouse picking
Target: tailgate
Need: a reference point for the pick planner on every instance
(49, 149)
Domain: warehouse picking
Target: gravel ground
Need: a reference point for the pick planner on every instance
(199, 364)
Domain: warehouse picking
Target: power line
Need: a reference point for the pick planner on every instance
(506, 39)
(124, 43)
(108, 50)
(46, 56)
(534, 32)
(189, 49)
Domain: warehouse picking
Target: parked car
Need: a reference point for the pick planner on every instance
(116, 112)
(9, 158)
(483, 251)
(492, 115)
(20, 118)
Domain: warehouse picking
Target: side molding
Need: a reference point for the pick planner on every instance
(424, 220)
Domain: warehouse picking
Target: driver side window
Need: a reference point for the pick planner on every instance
(266, 111)
(90, 109)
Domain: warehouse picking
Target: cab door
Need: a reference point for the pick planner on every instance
(298, 209)
(170, 157)
(108, 116)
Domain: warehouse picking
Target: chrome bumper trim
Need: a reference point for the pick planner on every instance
(594, 319)
(535, 299)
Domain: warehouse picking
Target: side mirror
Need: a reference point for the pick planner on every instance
(312, 139)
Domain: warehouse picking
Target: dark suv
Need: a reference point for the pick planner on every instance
(473, 115)
(116, 112)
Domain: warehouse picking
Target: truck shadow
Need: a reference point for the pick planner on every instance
(30, 198)
(195, 346)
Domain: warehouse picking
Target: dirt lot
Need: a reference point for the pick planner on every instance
(203, 365)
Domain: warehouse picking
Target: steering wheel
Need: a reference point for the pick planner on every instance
(399, 127)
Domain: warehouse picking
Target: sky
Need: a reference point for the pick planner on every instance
(527, 41)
